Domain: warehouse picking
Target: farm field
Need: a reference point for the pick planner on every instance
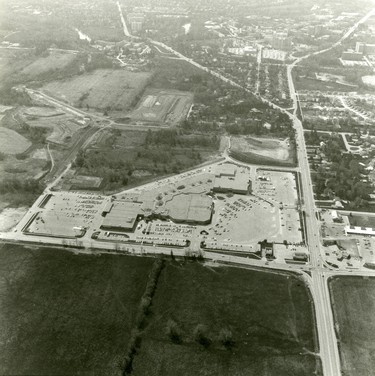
(55, 61)
(80, 310)
(269, 315)
(163, 106)
(262, 150)
(12, 142)
(353, 307)
(101, 89)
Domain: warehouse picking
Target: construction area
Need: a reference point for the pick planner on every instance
(163, 107)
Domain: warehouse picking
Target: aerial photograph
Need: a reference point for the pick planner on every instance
(187, 187)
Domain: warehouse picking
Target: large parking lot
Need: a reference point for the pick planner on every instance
(64, 213)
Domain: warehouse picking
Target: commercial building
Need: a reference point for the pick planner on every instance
(121, 215)
(229, 180)
(189, 208)
(357, 230)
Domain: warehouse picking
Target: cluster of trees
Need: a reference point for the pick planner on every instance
(143, 312)
(15, 185)
(12, 97)
(281, 126)
(344, 178)
(162, 152)
(347, 124)
(173, 138)
(201, 335)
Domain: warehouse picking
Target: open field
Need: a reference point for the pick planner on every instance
(100, 89)
(9, 217)
(12, 61)
(55, 61)
(65, 314)
(163, 106)
(353, 306)
(270, 317)
(265, 147)
(12, 167)
(12, 142)
(304, 83)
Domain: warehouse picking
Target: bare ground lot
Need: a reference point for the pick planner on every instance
(354, 306)
(270, 317)
(263, 151)
(266, 147)
(65, 314)
(100, 89)
(12, 142)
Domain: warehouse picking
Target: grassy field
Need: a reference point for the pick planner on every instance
(13, 61)
(12, 142)
(65, 314)
(354, 305)
(103, 88)
(304, 83)
(270, 317)
(55, 61)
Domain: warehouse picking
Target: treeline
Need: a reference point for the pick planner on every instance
(144, 310)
